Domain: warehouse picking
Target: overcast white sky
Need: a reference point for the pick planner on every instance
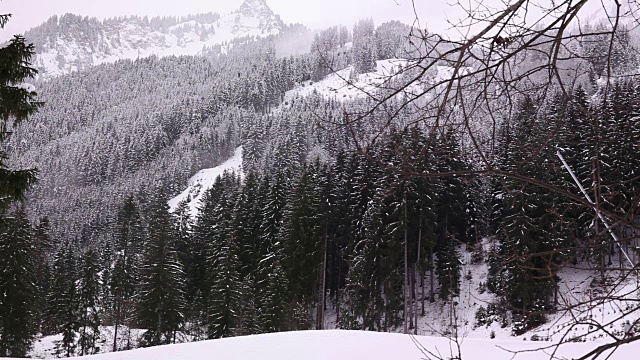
(316, 14)
(312, 13)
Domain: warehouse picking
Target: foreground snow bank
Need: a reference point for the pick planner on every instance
(350, 345)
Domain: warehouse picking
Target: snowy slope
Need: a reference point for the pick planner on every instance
(389, 75)
(337, 85)
(86, 42)
(351, 345)
(203, 180)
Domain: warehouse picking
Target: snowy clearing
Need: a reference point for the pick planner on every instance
(203, 180)
(336, 85)
(388, 76)
(350, 345)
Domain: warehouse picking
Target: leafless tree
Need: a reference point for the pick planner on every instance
(472, 79)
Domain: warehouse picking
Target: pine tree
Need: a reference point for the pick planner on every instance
(225, 296)
(125, 274)
(525, 281)
(18, 290)
(302, 238)
(271, 294)
(248, 314)
(271, 280)
(223, 276)
(42, 245)
(16, 103)
(161, 305)
(89, 303)
(451, 215)
(63, 302)
(247, 220)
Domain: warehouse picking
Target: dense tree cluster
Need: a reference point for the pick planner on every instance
(272, 252)
(598, 138)
(312, 225)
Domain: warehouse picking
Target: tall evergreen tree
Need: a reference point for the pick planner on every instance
(42, 245)
(16, 103)
(62, 302)
(161, 305)
(451, 214)
(223, 276)
(18, 289)
(89, 303)
(126, 272)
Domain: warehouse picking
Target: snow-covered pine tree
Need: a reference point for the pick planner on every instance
(302, 242)
(525, 283)
(222, 265)
(42, 246)
(161, 298)
(451, 215)
(247, 220)
(125, 273)
(89, 303)
(62, 302)
(17, 101)
(18, 289)
(271, 281)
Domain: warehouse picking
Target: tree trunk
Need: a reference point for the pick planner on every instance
(415, 269)
(406, 268)
(431, 275)
(115, 330)
(323, 281)
(422, 275)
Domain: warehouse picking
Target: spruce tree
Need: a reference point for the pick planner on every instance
(125, 274)
(161, 305)
(301, 240)
(62, 301)
(451, 214)
(18, 289)
(89, 303)
(42, 261)
(17, 101)
(223, 275)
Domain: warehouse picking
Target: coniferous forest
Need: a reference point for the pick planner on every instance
(330, 224)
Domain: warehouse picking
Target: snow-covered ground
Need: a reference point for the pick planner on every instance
(45, 347)
(389, 75)
(338, 85)
(351, 345)
(203, 180)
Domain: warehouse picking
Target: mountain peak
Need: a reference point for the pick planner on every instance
(259, 12)
(253, 5)
(256, 9)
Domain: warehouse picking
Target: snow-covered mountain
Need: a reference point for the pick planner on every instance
(70, 42)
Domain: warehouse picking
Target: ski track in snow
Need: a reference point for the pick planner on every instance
(203, 180)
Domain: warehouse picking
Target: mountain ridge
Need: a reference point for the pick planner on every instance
(71, 42)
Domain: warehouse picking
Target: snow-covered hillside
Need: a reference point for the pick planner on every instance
(338, 84)
(350, 345)
(389, 75)
(203, 180)
(79, 43)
